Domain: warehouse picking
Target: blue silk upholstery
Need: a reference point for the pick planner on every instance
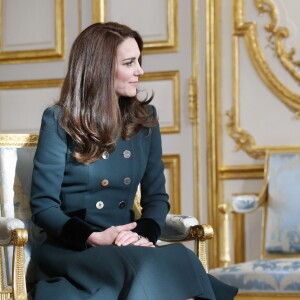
(268, 275)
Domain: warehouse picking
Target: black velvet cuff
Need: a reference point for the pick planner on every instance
(148, 228)
(75, 233)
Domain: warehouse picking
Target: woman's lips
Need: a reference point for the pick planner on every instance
(135, 83)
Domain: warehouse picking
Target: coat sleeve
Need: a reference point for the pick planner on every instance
(154, 199)
(48, 172)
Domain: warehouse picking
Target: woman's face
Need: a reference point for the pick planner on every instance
(128, 69)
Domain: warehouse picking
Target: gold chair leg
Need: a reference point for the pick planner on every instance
(5, 296)
(201, 233)
(19, 237)
(200, 251)
(5, 292)
(225, 257)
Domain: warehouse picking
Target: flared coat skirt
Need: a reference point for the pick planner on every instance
(119, 273)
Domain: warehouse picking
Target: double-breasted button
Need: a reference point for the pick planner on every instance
(104, 182)
(105, 155)
(126, 154)
(99, 205)
(122, 204)
(127, 180)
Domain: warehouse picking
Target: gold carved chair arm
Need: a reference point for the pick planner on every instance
(13, 233)
(240, 204)
(180, 228)
(245, 203)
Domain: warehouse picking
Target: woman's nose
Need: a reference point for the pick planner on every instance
(139, 71)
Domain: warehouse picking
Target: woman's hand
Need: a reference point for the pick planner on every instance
(126, 238)
(120, 236)
(108, 236)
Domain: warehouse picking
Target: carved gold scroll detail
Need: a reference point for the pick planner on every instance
(248, 30)
(243, 139)
(277, 37)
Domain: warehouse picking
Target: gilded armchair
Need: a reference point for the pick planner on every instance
(277, 274)
(16, 228)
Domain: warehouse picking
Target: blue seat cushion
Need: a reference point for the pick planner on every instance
(268, 275)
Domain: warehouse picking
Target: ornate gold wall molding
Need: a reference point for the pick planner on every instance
(31, 84)
(277, 37)
(172, 165)
(214, 138)
(248, 30)
(194, 106)
(242, 138)
(24, 56)
(193, 100)
(241, 172)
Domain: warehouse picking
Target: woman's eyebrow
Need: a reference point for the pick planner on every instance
(129, 58)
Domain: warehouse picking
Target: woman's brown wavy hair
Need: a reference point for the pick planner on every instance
(90, 112)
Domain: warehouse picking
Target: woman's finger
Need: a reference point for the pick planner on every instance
(143, 242)
(125, 238)
(126, 227)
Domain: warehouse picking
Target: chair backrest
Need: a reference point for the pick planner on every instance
(281, 232)
(16, 163)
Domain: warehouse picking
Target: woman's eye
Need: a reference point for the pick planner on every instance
(129, 63)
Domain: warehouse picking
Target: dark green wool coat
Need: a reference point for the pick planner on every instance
(70, 200)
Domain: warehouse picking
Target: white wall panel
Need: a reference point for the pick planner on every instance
(151, 22)
(21, 109)
(28, 25)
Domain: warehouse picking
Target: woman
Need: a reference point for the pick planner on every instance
(95, 146)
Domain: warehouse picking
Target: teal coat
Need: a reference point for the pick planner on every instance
(70, 200)
(101, 193)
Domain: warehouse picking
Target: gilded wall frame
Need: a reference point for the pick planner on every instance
(276, 36)
(194, 106)
(31, 84)
(27, 56)
(247, 30)
(159, 46)
(214, 137)
(174, 77)
(172, 165)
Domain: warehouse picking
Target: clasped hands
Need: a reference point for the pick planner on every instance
(121, 235)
